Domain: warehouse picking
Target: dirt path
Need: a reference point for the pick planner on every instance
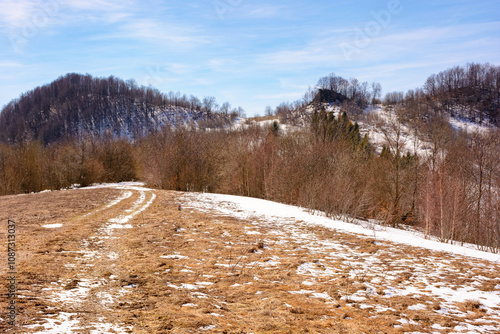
(85, 252)
(126, 260)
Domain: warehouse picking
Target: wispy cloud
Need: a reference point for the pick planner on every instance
(98, 5)
(16, 13)
(10, 64)
(163, 32)
(19, 14)
(264, 11)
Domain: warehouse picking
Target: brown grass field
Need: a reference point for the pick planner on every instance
(193, 271)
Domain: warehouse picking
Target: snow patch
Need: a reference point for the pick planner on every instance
(53, 225)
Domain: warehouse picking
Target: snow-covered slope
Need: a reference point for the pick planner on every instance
(247, 207)
(383, 128)
(425, 273)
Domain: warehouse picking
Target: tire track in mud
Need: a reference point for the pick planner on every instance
(86, 297)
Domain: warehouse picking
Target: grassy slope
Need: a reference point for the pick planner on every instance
(194, 271)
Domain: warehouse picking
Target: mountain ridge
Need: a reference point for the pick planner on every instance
(76, 105)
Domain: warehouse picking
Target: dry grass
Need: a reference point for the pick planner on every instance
(191, 271)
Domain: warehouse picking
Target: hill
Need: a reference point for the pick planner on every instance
(76, 105)
(122, 258)
(471, 92)
(404, 162)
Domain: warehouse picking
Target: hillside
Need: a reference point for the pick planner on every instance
(77, 105)
(470, 92)
(340, 151)
(134, 263)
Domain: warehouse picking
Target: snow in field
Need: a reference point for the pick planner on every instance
(422, 279)
(52, 225)
(246, 208)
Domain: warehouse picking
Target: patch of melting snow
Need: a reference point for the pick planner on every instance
(189, 305)
(125, 219)
(63, 323)
(204, 283)
(438, 326)
(365, 306)
(102, 327)
(381, 309)
(187, 286)
(139, 201)
(302, 292)
(408, 321)
(310, 268)
(105, 298)
(357, 297)
(118, 226)
(207, 328)
(200, 295)
(226, 265)
(309, 283)
(323, 295)
(417, 307)
(53, 225)
(273, 262)
(112, 256)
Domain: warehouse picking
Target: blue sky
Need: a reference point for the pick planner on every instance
(249, 53)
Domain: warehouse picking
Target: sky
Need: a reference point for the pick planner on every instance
(251, 54)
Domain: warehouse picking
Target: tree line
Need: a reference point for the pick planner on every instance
(453, 194)
(470, 92)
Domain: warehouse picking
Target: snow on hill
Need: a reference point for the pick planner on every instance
(383, 127)
(469, 126)
(265, 122)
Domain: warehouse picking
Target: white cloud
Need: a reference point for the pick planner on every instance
(225, 65)
(159, 31)
(10, 64)
(305, 56)
(422, 45)
(16, 13)
(97, 5)
(265, 11)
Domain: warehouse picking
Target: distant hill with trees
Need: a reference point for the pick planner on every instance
(470, 92)
(75, 105)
